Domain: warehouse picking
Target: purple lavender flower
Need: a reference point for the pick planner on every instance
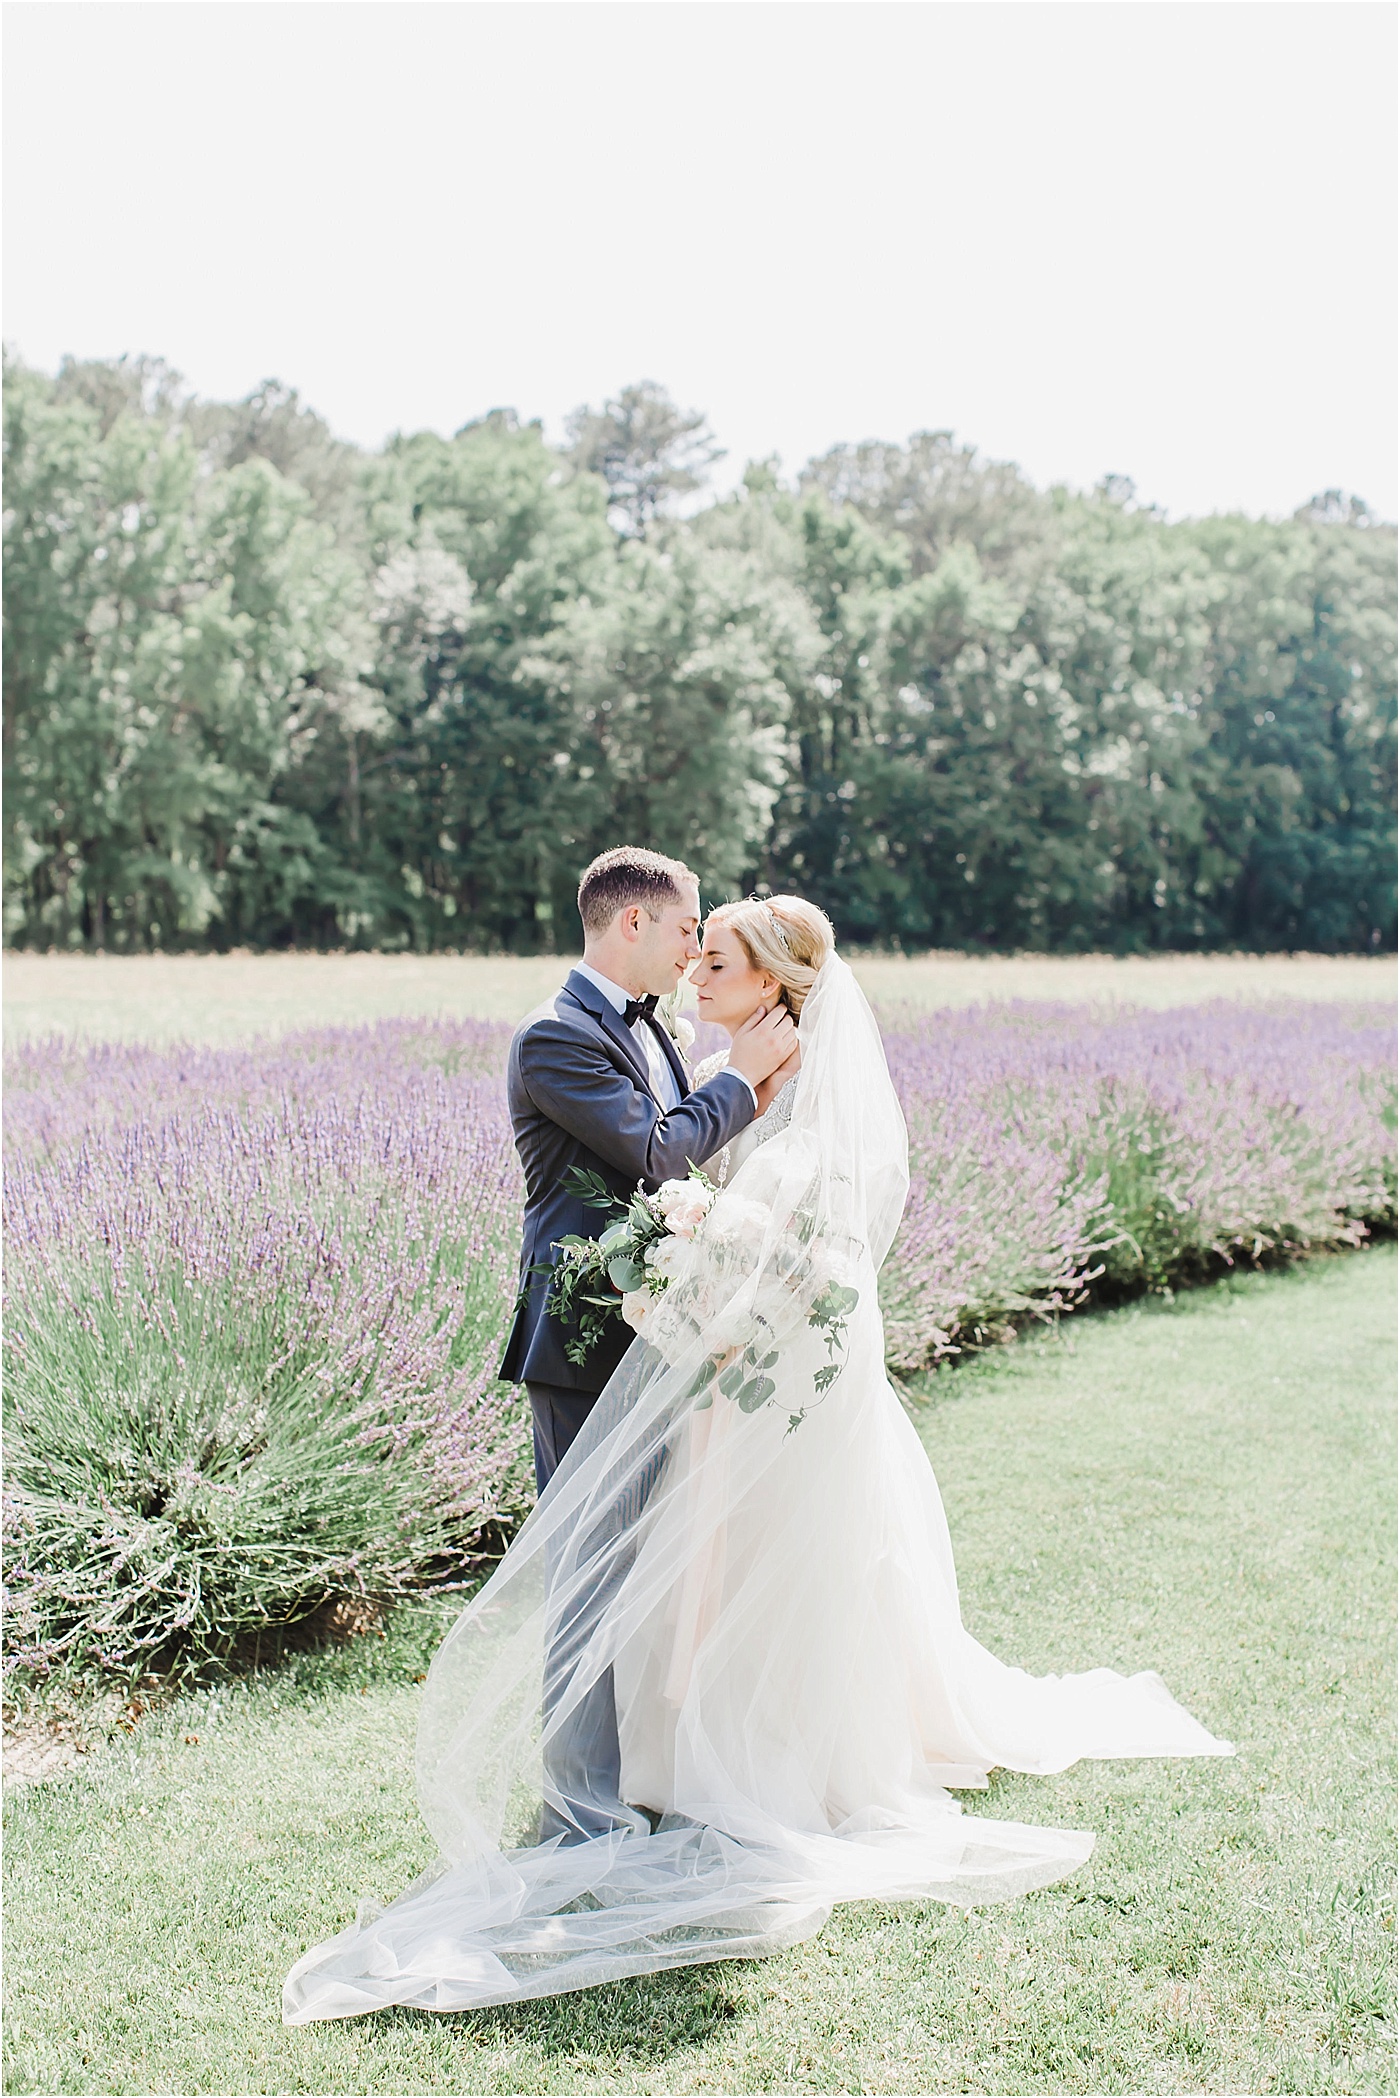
(256, 1297)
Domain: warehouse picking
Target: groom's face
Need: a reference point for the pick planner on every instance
(667, 945)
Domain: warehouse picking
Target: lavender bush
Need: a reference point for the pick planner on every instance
(255, 1297)
(255, 1301)
(1053, 1149)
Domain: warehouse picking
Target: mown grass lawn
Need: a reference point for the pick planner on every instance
(1203, 1486)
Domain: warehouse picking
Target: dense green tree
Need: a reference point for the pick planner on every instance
(553, 689)
(1095, 756)
(137, 386)
(646, 449)
(677, 677)
(821, 844)
(484, 542)
(171, 640)
(273, 424)
(261, 687)
(1007, 767)
(1301, 791)
(936, 494)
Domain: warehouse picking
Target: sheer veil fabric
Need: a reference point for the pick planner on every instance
(747, 1555)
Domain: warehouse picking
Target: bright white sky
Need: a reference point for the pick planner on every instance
(1151, 239)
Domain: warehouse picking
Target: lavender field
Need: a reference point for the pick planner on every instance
(255, 1295)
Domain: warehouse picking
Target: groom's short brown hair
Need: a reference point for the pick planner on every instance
(629, 874)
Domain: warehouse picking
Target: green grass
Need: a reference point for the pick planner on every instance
(230, 997)
(1203, 1486)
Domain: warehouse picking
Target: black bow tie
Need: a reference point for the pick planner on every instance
(638, 1009)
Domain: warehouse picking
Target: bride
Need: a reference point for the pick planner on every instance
(746, 1546)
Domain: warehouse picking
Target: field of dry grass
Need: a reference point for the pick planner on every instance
(225, 998)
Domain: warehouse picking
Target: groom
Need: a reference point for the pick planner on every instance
(595, 1081)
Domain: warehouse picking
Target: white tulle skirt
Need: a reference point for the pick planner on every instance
(792, 1713)
(721, 1680)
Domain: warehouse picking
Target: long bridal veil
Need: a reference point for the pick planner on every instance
(720, 1681)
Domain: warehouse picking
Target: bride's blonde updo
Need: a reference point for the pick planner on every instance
(785, 935)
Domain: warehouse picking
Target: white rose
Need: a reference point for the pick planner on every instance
(685, 1035)
(670, 1193)
(635, 1307)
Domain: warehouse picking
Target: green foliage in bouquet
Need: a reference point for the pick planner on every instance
(592, 1276)
(830, 1312)
(742, 1377)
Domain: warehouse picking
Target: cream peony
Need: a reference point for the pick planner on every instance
(667, 1257)
(741, 1222)
(731, 1325)
(686, 1217)
(684, 1204)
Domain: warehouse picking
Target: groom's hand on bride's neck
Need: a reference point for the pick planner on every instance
(763, 1044)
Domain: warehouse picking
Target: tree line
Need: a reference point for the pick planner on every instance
(264, 689)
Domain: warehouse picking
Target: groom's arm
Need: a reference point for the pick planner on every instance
(577, 1085)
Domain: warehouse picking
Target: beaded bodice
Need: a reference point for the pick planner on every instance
(775, 1117)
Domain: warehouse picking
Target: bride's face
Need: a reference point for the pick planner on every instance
(728, 988)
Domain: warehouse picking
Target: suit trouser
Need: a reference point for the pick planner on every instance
(583, 1761)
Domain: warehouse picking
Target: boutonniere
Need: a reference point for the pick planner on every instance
(675, 1023)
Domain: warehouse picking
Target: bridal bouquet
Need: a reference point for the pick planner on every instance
(636, 1255)
(740, 1281)
(769, 1272)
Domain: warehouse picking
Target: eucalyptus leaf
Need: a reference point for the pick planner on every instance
(755, 1393)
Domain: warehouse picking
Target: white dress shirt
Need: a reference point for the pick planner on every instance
(664, 1089)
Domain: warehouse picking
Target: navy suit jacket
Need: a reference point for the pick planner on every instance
(579, 1096)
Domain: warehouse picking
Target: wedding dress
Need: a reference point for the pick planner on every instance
(746, 1550)
(778, 1113)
